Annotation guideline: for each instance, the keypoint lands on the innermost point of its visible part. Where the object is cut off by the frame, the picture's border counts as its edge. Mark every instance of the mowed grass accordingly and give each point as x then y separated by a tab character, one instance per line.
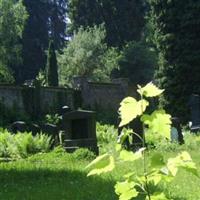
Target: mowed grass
62	176
53	176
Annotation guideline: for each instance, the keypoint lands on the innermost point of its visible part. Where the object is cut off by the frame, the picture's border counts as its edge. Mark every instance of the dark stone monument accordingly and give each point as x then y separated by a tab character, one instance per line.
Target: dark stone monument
176	132
65	109
51	130
80	130
34	129
18	126
194	104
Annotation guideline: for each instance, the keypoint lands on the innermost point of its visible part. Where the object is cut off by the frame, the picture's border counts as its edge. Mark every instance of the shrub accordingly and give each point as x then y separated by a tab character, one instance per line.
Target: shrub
52	118
21	145
83	154
106	137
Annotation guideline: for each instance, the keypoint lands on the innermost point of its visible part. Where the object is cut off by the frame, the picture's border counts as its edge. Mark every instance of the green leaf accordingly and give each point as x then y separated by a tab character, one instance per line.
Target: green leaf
150	90
187	163
130	156
118	147
154	177
183	160
157	160
158	123
126	190
101	164
126	133
172	166
130	108
158	196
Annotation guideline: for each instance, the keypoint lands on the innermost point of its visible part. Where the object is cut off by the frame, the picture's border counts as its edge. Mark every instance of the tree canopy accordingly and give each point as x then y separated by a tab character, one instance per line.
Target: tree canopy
124	20
177	27
87	55
12	19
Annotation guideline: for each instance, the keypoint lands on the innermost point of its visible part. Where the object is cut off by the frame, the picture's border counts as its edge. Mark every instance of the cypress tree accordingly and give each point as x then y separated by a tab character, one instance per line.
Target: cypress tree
177	27
47	20
52	66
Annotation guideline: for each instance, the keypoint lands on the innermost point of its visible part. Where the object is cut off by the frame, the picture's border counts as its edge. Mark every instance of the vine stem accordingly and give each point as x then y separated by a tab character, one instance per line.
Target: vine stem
144	153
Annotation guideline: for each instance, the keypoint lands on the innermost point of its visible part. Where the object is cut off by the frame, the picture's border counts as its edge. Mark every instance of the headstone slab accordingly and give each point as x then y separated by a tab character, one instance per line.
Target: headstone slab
195	109
79	124
176	132
80	129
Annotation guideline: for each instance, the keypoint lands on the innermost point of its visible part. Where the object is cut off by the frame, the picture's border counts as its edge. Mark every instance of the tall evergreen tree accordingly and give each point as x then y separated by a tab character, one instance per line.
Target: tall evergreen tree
47	19
124	20
177	27
35	38
57	22
52	66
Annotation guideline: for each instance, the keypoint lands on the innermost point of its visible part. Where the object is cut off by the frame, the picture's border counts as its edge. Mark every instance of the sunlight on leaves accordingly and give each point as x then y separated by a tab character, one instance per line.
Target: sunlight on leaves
158	123
150	90
101	164
126	190
157	160
130	108
183	160
130	156
158	196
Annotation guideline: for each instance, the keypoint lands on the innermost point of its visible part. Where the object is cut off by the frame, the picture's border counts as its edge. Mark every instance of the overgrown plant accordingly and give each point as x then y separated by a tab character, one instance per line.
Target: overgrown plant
155	169
22	145
52	118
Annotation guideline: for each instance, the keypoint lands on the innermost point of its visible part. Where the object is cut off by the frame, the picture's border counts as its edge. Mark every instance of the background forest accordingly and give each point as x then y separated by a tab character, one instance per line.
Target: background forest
142	40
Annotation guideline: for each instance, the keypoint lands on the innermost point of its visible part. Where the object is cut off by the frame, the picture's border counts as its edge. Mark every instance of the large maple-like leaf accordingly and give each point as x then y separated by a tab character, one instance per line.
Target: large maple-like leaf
130	108
158	123
150	90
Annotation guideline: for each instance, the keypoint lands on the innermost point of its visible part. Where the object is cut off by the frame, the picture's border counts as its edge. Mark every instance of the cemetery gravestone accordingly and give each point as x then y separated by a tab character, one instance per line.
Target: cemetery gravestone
80	130
195	112
176	132
18	126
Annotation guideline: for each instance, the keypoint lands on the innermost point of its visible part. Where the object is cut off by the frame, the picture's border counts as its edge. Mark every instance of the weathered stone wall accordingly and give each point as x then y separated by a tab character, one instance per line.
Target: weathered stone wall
91	95
102	95
47	99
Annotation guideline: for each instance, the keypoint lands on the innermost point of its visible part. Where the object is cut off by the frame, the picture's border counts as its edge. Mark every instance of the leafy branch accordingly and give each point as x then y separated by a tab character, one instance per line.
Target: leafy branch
156	123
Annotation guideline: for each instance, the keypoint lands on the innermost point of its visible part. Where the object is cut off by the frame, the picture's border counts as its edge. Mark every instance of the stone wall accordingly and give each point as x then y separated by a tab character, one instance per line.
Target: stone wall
102	95
27	99
85	94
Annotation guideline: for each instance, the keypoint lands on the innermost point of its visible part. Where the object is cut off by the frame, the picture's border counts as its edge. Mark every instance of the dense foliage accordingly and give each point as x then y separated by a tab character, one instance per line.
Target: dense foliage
6	75
87	55
52	66
22	145
177	26
12	19
47	20
124	21
137	62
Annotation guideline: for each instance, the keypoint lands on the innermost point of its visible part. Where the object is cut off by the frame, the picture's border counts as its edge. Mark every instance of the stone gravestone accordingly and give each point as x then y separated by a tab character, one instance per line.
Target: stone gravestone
18	126
194	104
176	132
79	130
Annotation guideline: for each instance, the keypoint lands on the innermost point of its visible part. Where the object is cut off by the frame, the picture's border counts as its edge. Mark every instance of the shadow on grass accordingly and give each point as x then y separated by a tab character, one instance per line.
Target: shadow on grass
44	184
54	185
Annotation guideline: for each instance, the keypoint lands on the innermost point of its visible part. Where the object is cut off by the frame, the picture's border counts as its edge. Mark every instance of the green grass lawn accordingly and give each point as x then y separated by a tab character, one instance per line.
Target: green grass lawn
61	176
52	176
